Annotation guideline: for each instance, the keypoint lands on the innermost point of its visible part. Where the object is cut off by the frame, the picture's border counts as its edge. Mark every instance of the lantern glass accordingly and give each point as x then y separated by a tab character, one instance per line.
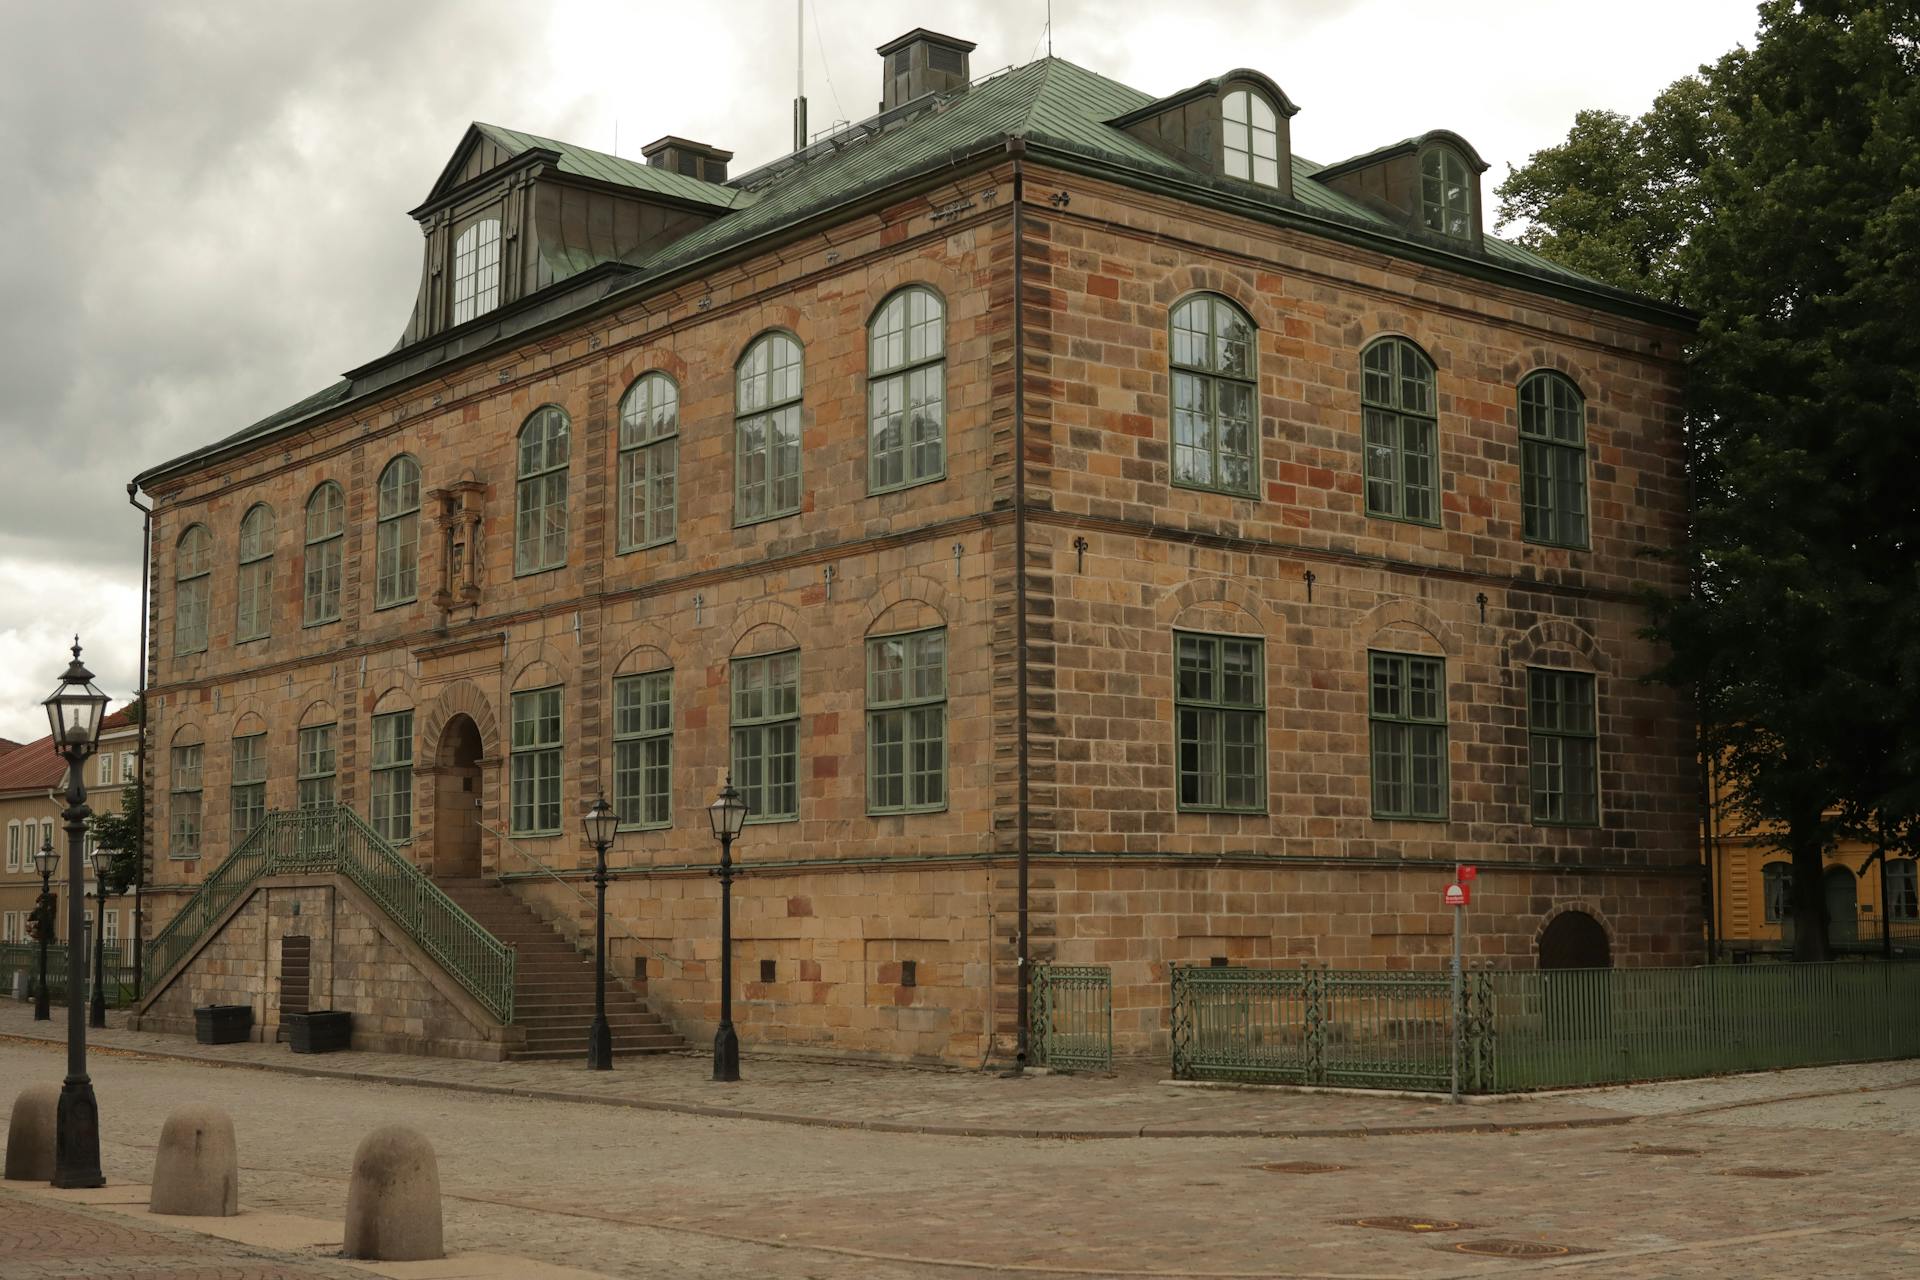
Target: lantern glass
75	710
600	822
728	813
102	862
47	860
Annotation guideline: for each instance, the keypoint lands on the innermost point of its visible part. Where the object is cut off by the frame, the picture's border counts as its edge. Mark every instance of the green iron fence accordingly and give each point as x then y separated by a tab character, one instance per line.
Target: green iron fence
1072	1017
333	839
24	957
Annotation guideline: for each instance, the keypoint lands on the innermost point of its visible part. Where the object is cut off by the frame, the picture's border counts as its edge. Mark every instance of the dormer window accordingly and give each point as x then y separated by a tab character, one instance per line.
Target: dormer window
476	270
1446	194
1251	135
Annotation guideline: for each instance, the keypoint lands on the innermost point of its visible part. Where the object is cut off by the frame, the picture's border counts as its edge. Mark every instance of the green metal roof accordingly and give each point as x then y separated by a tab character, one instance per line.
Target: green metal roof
585	162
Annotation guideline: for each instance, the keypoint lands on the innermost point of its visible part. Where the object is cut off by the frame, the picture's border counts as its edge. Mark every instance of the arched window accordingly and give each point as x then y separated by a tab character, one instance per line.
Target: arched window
1250	133
1903	889
1214	381
907	390
392	770
1775	879
253	592
183	795
1446	195
476	270
396	576
649	461
766	453
1399	413
326	527
1553	460
192	563
540	525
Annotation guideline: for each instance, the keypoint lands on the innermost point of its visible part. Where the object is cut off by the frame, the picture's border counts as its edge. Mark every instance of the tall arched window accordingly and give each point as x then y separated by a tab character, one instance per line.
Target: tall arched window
326	527
396	575
1399	413
766	429
1775	879
1215	419
192	565
1250	134
476	270
253	591
540	525
1903	889
1446	195
1553	460
907	390
649	461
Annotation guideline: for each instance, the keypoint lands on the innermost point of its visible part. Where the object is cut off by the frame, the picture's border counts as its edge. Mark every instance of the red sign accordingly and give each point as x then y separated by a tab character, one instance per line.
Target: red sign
1464	874
1456	895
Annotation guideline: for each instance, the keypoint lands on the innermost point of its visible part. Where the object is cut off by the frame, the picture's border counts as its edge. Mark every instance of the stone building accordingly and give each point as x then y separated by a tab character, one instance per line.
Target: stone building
1038	483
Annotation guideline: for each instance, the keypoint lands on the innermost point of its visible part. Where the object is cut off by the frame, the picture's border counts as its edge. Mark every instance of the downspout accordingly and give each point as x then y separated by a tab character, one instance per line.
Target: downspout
1709	842
1017	148
140	696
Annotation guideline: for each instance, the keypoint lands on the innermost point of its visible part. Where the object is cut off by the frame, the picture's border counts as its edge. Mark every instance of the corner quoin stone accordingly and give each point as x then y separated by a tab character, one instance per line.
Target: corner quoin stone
393	1201
196	1172
30	1134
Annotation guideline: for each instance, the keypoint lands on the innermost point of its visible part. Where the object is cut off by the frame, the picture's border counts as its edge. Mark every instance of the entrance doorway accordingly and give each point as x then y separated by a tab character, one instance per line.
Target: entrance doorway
1574	940
1843	905
456	801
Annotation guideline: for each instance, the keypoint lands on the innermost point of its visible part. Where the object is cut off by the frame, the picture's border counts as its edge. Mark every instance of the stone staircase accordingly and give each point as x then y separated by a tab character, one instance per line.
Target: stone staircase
553	983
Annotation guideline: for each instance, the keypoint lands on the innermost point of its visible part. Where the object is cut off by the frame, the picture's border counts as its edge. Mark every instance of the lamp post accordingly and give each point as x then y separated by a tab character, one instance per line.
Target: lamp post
47	861
75	710
728	813
102	860
601	822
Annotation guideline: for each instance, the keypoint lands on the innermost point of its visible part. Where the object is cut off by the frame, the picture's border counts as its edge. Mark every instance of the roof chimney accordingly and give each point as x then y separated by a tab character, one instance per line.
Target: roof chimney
695	159
921	62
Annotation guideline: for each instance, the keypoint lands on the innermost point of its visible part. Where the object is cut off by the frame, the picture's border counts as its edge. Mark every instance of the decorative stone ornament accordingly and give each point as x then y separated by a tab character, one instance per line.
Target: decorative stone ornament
393	1201
196	1172
30	1134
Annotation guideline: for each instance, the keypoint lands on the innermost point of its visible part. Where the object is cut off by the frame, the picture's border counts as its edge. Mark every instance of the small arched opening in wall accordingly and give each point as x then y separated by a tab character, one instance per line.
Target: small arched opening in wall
1573	938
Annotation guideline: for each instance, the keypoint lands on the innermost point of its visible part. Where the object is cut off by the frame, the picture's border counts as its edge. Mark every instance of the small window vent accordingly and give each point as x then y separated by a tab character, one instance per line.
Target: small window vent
767	970
1218	962
689	165
716	171
940	58
909	974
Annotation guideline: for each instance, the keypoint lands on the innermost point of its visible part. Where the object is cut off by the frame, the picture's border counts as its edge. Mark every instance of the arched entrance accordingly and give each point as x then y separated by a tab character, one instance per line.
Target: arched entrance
1843	905
1574	940
456	801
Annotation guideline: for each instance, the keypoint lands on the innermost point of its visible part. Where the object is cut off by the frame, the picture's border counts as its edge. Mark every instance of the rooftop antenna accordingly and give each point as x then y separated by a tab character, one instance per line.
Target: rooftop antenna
800	75
1049	28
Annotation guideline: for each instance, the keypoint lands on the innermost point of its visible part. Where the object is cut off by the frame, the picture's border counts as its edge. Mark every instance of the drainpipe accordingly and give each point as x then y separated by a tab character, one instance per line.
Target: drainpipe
1709	838
1017	148
140	860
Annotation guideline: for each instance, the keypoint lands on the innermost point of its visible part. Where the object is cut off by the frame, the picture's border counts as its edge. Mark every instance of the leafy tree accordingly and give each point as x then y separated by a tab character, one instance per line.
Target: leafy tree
120	834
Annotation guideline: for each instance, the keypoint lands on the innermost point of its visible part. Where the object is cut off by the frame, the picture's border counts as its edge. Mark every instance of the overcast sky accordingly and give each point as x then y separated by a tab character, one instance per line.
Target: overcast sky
204	212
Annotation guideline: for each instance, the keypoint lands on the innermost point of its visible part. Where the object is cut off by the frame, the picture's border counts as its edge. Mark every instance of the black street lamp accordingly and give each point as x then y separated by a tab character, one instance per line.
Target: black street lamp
102	860
601	822
728	814
47	861
75	710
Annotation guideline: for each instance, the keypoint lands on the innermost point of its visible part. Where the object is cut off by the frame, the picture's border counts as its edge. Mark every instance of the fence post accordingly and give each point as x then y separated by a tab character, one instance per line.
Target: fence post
1312	993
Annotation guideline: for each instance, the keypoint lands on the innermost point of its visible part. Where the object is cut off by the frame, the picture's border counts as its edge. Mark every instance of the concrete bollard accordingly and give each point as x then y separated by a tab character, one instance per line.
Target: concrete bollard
393	1202
30	1134
197	1170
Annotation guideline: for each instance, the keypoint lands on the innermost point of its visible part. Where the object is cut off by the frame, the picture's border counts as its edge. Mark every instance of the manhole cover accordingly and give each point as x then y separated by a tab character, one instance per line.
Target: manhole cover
1513	1249
1766	1173
1662	1151
1416	1225
1301	1166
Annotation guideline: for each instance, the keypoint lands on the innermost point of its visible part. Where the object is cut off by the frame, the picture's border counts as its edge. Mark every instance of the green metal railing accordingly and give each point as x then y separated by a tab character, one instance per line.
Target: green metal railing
24	957
333	839
1072	1017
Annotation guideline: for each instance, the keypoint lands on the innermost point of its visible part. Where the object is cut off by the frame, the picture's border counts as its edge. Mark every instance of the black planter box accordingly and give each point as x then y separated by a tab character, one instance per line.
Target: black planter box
322	1031
223	1023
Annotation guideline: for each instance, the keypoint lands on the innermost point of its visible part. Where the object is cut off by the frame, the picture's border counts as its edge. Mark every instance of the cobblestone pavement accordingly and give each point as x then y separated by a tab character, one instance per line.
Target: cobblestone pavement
1788	1185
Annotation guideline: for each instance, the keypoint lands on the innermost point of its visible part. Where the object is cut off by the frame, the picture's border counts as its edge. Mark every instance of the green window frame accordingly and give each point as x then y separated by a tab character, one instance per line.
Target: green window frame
392	770
183	800
1776	889
537	727
540	497
1446	194
1407	731
766	734
396	575
253	581
1220	717
643	749
1400	418
315	763
907	390
769	384
1215	419
1553	460
326	535
1563	748
192	582
649	461
907	722
247	786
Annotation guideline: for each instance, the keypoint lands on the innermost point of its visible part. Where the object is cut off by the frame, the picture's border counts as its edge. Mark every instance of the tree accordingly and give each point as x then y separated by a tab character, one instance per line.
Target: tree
120	834
1800	632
